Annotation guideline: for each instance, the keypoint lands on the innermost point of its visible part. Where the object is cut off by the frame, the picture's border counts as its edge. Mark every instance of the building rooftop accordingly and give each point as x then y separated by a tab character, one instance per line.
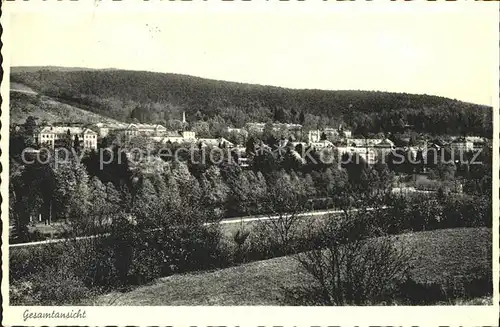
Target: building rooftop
64	129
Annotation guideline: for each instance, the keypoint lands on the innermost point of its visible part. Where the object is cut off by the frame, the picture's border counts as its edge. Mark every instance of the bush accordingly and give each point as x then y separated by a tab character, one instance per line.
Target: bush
348	268
52	274
142	254
53	286
178	240
241	245
265	242
417	293
24	262
428	212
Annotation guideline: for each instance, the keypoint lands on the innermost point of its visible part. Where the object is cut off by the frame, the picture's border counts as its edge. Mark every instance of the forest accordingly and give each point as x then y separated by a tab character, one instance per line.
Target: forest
74	190
161	98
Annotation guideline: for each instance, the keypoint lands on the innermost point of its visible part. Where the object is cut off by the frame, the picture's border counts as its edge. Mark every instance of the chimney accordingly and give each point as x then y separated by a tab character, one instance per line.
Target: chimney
183	117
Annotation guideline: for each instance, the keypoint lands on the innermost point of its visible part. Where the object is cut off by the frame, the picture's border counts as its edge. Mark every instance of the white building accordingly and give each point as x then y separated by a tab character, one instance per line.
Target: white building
462	144
322	144
176	137
51	135
103	129
259	127
236	130
347	133
218	142
133	130
364	142
314	135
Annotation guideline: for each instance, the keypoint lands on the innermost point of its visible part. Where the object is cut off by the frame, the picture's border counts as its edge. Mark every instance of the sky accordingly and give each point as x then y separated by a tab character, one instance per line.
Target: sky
450	51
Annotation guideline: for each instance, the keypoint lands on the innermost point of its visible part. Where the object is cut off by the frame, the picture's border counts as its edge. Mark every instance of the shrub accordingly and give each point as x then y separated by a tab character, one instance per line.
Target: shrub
188	248
424	293
240	237
347	268
428	212
261	244
52	275
58	286
25	262
178	242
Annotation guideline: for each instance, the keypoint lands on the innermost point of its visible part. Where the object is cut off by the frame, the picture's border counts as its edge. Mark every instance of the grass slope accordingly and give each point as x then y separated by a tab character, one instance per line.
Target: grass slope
25	102
442	255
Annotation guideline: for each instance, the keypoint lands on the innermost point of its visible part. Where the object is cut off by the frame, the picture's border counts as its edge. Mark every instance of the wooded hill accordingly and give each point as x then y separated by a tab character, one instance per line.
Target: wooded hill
159	97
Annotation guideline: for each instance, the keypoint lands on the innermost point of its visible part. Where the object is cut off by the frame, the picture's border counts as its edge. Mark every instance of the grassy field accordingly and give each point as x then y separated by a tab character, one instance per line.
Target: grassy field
442	256
24	103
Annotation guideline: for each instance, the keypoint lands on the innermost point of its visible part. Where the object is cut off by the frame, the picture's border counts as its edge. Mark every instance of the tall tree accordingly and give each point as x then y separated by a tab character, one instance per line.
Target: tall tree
279	115
71	193
145	202
302	118
76	144
293	114
67	141
30	125
214	191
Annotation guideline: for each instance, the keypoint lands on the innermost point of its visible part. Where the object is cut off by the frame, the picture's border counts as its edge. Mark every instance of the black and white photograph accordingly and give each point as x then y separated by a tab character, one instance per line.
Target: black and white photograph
296	158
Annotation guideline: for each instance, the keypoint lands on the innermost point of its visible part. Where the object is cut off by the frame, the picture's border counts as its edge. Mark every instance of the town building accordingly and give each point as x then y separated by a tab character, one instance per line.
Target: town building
468	143
53	135
131	130
287	126
329	133
368	154
215	142
145	130
322	144
347	133
176	137
236	130
478	142
103	129
385	144
255	127
364	142
259	127
314	135
384	147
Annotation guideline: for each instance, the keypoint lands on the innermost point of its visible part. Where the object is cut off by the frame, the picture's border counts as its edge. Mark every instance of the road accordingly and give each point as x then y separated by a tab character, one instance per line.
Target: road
227	221
24	91
410	190
305	214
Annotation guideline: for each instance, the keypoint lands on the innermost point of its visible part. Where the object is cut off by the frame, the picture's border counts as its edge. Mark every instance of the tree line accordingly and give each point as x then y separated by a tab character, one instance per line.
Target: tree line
161	98
75	192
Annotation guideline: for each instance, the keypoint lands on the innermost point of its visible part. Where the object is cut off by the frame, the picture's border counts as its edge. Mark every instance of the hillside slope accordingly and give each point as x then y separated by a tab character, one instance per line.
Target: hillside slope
25	102
444	257
157	97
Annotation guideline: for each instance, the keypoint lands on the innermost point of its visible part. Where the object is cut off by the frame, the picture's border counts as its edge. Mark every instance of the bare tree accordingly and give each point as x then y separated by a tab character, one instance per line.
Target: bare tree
286	199
349	264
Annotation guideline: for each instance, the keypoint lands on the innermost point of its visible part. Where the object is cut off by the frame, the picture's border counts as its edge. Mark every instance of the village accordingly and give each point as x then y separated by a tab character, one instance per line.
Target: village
274	165
340	139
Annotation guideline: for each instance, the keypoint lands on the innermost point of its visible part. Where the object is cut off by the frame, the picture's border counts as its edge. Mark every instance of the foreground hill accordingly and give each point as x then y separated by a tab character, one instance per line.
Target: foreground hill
157	97
448	260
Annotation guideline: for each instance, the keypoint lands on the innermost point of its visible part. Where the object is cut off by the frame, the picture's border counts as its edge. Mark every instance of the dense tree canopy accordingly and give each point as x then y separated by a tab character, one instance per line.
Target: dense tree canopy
158	97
